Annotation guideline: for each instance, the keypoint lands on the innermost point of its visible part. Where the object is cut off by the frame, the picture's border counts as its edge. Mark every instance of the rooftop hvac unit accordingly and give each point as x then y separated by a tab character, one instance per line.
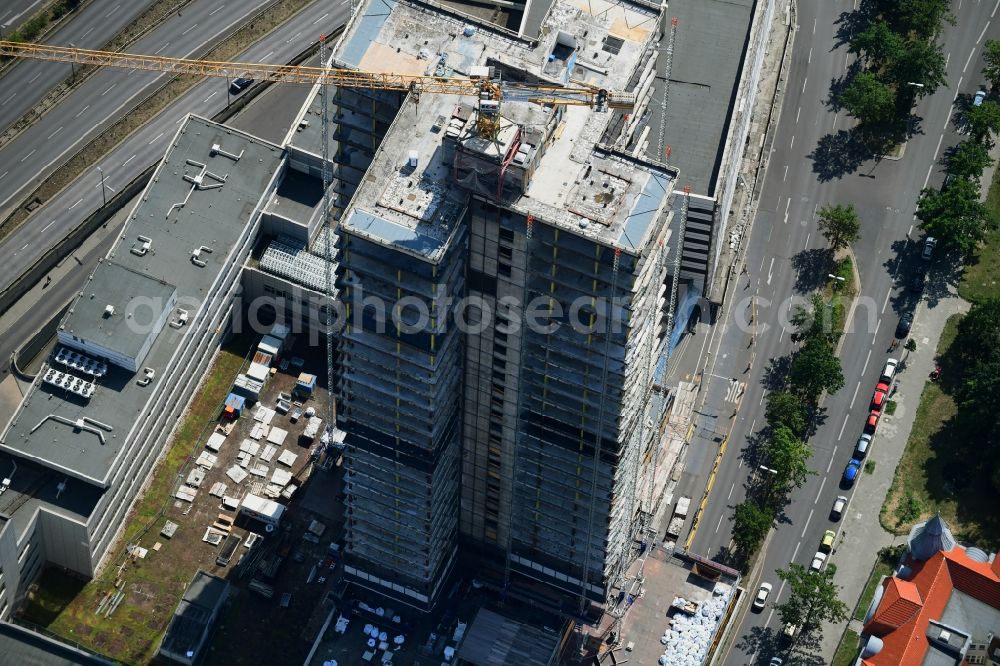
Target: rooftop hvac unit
413	158
109	310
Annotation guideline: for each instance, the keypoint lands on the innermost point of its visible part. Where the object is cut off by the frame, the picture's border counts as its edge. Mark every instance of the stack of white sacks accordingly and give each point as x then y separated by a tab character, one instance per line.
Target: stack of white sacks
688	639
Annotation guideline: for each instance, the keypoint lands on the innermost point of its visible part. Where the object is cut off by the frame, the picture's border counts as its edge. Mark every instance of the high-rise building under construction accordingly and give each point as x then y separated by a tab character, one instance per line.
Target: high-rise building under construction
505	269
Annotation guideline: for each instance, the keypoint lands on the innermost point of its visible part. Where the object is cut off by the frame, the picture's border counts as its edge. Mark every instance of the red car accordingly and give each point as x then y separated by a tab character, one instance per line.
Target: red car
880	397
872	423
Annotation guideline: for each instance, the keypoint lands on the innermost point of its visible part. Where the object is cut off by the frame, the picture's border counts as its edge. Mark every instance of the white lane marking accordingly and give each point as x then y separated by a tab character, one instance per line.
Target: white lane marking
731	491
155	140
783	180
804	84
855	396
795	552
808	518
82	111
25	246
808	236
28	155
947	59
45	228
264	59
216	10
12	96
719	525
832	456
836	116
4	175
75	205
113	10
983	32
84	35
878	325
128	160
781	333
157	51
959	86
189	29
887	295
787	202
797	112
769	616
867	358
940	139
210	97
822	483
994	12
54	133
321	18
810	56
846	416
109	89
770	270
792	144
960	4
968	60
928	176
20	14
34	78
814	24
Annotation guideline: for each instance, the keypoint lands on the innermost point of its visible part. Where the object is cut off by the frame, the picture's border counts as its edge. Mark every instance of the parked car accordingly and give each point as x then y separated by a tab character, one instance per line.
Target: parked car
903	327
819	559
929	244
880	396
851	473
871	425
861	448
839	505
826	545
775	661
979	97
889	370
761	598
917	281
240	84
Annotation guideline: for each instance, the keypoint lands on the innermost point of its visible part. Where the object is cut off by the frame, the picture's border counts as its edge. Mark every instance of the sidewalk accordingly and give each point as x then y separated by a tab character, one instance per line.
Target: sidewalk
861	535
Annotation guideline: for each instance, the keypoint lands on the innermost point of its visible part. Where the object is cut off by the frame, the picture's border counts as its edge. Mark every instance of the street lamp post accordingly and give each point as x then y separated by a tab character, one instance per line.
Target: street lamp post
104	196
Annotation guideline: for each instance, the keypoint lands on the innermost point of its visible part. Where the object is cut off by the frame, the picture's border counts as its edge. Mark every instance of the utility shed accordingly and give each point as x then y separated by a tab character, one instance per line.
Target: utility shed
20	646
306	384
495	640
192	621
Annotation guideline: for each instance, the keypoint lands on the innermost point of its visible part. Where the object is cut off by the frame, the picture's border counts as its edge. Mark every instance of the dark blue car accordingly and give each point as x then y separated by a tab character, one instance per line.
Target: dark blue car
851	473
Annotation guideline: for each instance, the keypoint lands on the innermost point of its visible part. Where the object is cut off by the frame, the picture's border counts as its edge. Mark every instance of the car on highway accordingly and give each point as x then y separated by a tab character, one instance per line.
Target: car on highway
903	327
871	425
761	598
240	84
851	473
819	559
839	505
889	370
929	244
861	448
826	545
880	396
979	97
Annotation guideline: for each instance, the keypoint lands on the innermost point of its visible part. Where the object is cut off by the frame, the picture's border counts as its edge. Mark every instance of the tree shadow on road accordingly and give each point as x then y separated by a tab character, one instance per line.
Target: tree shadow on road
839	154
774	375
852	22
811	268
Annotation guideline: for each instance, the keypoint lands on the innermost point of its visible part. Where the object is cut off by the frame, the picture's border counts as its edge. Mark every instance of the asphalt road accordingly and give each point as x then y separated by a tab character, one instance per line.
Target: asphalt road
91	27
813	164
37	151
16	12
268	116
146	146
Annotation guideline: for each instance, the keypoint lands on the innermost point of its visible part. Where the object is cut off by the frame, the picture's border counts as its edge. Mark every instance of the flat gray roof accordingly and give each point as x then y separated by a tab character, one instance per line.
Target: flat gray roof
708	54
495	640
212	217
135	298
34	486
970	616
23	647
194	613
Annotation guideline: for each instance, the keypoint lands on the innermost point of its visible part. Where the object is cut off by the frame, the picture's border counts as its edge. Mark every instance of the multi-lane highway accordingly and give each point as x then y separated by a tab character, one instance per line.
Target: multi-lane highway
91	27
814	163
145	146
82	114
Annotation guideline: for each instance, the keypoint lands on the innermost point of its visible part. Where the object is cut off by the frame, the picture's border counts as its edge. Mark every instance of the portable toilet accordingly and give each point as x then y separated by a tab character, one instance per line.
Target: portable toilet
305	385
234	406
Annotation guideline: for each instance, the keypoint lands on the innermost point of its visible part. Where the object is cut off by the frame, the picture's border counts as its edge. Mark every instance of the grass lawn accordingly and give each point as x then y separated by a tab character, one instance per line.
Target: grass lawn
883	567
847	651
981	279
153	586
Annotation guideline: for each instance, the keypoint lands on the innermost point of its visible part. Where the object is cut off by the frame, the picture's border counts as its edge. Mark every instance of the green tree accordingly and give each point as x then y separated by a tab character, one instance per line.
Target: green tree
750	525
983	121
786	410
787	455
991	55
922	62
815	369
878	44
968	159
976	351
814	322
839	225
868	99
812	599
924	17
955	216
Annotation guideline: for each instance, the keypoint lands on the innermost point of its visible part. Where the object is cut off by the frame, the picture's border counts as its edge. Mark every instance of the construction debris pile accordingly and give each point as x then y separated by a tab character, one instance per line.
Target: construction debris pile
690	631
